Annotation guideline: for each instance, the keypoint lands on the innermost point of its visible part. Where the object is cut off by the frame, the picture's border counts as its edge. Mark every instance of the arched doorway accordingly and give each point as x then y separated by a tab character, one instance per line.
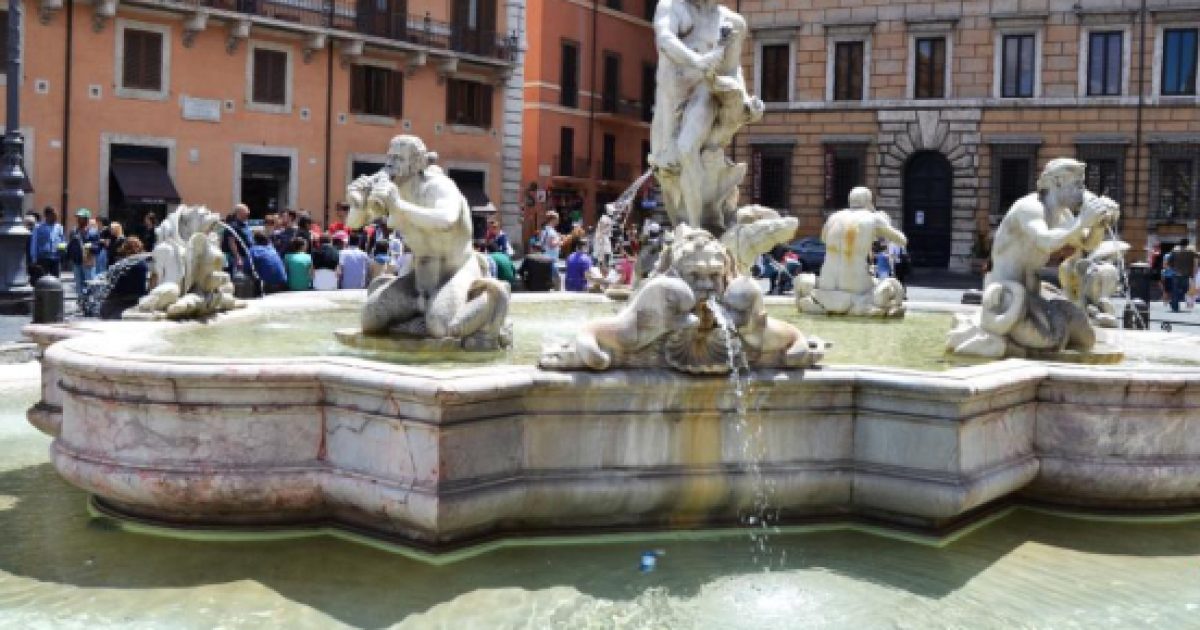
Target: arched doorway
928	222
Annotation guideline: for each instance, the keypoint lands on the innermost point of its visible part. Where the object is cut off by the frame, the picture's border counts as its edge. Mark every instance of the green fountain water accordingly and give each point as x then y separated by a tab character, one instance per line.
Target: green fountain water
61	569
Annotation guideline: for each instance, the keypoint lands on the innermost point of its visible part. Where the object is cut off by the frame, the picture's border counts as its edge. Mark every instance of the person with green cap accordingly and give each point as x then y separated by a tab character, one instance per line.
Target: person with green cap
81	250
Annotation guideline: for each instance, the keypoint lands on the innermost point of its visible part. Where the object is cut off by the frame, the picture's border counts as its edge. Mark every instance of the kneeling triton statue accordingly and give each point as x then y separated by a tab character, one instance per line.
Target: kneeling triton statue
447	296
1020	315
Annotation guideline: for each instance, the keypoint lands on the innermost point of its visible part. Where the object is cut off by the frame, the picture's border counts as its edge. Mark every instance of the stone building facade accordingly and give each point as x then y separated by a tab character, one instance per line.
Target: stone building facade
589	96
132	106
948	110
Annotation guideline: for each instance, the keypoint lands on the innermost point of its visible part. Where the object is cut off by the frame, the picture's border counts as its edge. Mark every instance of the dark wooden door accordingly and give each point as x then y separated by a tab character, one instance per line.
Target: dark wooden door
928	223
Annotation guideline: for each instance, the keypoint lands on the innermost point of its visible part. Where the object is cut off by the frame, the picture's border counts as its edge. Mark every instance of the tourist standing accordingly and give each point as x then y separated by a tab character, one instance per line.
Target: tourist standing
578	264
1182	263
237	239
353	265
299	266
146	231
116	240
267	263
46	243
551	242
81	250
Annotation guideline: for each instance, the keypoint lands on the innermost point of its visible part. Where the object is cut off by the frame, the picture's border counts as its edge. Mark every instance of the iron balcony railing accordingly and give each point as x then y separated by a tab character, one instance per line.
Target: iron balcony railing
367	18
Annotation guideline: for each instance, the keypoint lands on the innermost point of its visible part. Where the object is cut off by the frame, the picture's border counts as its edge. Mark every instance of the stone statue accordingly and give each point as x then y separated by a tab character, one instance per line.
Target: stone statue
700	102
1019	314
1090	278
188	269
756	231
695	314
448	294
845	285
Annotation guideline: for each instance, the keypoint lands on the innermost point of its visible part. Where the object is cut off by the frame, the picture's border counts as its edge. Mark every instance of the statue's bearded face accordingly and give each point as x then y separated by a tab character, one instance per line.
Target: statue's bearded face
404	161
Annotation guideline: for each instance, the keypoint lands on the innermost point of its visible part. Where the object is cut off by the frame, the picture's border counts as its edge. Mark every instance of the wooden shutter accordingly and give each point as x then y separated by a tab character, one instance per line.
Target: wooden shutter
142	66
487	18
396	93
270	76
358	89
131	64
452	102
152	60
485	103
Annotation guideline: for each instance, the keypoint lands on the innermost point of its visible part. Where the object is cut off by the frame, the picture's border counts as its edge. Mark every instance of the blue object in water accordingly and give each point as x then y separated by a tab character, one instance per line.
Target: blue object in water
649	560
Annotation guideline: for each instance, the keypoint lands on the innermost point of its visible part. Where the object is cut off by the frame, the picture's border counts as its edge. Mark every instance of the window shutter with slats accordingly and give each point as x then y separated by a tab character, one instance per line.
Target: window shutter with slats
396	93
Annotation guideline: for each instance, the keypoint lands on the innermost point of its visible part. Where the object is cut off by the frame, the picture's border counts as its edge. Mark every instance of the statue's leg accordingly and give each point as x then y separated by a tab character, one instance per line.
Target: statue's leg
668	98
389	303
450	300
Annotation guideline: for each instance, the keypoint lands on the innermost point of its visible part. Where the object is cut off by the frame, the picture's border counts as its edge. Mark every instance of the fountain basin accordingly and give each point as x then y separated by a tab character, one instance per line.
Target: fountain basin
439	457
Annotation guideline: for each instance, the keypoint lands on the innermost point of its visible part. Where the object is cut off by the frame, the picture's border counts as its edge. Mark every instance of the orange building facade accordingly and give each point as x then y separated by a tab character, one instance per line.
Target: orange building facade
131	107
589	94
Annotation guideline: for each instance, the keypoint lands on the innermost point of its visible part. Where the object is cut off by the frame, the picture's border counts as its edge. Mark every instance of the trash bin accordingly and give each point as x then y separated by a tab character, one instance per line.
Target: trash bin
48	307
1139	281
1136	315
245	287
536	271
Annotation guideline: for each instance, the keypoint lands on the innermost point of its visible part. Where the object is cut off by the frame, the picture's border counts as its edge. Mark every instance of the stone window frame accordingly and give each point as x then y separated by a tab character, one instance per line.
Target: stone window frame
1004	26
1167	151
929	30
1104	150
776	39
847	33
1085	54
374	119
250	104
1000	150
119	90
292	153
1165	22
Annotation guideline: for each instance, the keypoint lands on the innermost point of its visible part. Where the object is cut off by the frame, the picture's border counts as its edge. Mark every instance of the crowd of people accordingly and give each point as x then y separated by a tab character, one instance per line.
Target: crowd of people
583	269
1177	272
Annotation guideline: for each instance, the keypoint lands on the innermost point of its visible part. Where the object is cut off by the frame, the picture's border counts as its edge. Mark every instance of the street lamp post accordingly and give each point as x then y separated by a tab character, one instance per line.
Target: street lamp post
14	238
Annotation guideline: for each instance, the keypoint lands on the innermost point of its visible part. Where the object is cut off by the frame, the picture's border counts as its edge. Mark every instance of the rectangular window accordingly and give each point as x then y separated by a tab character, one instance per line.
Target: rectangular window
376	91
645	156
848	71
1017	66
648	87
774	179
468	103
1014	181
612	78
1176	189
1179	62
648	9
1103	177
847	173
270	76
1104	63
142	64
566	152
569	96
930	68
608	157
776	67
615	5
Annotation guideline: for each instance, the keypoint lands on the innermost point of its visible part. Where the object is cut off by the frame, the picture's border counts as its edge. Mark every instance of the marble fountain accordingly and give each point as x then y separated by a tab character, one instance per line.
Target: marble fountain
697	404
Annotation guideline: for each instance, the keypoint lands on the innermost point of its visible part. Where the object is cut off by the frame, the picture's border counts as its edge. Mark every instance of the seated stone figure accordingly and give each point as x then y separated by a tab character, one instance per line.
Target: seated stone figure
1020	314
1089	278
448	294
845	285
187	269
